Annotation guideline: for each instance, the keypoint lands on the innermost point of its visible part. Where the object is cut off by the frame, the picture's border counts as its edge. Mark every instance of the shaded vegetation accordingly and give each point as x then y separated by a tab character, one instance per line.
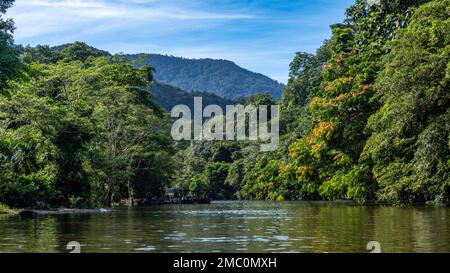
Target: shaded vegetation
6	210
168	96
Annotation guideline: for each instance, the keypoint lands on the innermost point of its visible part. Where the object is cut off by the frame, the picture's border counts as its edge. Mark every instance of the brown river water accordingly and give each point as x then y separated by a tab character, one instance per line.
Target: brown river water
234	227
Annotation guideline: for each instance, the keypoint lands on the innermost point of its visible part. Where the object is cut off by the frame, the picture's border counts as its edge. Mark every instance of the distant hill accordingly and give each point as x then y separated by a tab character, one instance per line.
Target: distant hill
208	77
221	77
168	96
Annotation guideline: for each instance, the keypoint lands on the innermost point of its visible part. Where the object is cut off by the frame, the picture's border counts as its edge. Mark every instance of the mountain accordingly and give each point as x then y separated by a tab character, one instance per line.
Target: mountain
221	77
218	81
168	96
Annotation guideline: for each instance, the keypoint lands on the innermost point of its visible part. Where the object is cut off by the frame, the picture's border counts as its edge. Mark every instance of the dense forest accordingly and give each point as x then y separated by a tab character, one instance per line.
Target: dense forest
78	128
221	77
364	118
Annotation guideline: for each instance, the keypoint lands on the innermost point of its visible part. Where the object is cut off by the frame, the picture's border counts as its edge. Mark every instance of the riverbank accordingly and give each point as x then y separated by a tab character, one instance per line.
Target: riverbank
5	210
31	212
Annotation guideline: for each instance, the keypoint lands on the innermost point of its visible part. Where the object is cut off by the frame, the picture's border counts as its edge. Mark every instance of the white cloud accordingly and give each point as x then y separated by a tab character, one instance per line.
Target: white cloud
64	3
252	34
37	17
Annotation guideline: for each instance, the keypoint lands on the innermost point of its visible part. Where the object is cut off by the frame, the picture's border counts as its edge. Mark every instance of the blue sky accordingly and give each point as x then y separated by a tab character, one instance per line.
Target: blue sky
262	36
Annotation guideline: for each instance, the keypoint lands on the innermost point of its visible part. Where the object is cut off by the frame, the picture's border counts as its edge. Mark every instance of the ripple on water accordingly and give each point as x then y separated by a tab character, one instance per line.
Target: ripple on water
302	239
274	249
175	246
147	248
290	227
272	213
260	239
254	217
241	249
218	240
177	236
281	238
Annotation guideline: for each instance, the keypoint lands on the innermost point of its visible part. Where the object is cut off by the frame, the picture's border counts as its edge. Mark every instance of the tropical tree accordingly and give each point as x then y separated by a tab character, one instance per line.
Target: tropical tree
410	133
9	55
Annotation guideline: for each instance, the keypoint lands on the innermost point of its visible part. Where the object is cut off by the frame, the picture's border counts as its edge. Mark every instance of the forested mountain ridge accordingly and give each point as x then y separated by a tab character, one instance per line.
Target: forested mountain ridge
165	95
220	82
221	77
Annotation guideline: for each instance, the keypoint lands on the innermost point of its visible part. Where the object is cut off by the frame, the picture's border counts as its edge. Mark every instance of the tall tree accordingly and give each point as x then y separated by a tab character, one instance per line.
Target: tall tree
9	61
410	135
326	163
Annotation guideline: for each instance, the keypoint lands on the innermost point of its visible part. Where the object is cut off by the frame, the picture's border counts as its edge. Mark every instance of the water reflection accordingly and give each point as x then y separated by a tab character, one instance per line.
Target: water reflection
235	227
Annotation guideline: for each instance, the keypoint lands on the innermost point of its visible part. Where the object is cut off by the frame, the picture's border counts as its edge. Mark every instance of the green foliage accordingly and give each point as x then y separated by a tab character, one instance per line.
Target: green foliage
4	209
410	132
41	54
79	130
204	169
367	116
326	162
260	99
9	61
215	175
265	183
356	184
305	79
79	51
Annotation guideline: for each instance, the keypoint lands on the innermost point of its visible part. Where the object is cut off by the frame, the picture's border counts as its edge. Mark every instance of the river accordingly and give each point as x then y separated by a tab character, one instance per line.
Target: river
234	227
